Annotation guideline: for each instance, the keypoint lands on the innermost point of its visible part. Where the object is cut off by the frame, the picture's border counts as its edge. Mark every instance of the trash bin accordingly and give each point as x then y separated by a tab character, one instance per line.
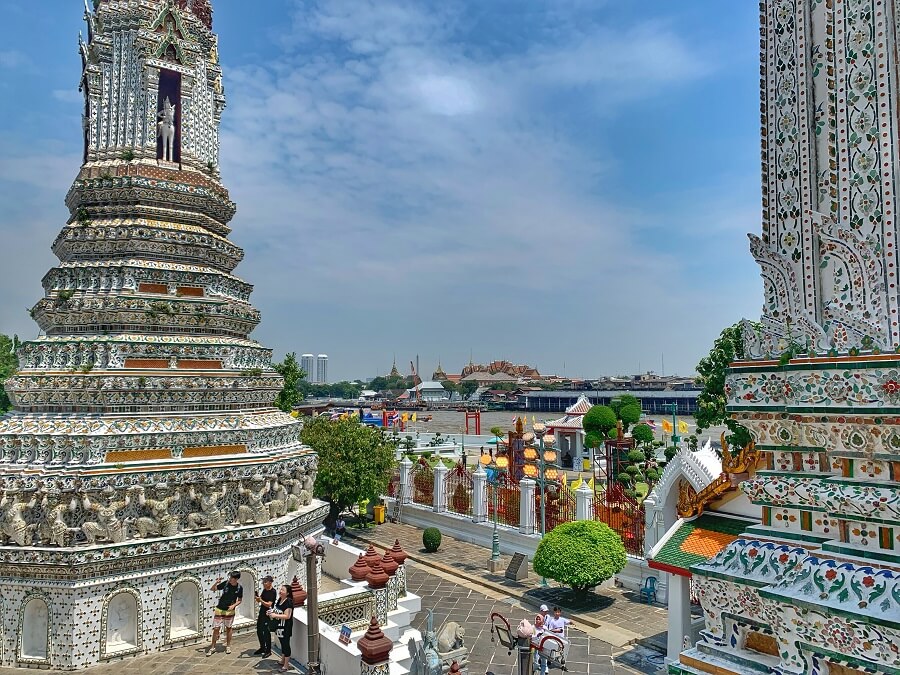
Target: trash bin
378	512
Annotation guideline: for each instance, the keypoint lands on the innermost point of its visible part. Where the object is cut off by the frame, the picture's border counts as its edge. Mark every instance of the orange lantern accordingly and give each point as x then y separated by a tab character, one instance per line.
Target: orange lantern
530	470
502	462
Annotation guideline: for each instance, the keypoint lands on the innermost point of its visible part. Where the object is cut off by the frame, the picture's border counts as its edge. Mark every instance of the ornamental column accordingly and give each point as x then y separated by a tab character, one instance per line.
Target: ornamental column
584	502
440	487
526	506
405	481
375	649
479	495
679	614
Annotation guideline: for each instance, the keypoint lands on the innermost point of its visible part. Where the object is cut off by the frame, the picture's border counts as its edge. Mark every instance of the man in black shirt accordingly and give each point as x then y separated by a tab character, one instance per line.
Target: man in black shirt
265	600
223	614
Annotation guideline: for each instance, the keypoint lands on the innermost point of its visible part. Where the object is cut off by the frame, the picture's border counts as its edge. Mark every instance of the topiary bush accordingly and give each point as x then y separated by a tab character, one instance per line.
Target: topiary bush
431	539
580	555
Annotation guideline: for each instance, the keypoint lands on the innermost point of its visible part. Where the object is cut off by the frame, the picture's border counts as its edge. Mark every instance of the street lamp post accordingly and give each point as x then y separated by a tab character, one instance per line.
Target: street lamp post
546	471
497	465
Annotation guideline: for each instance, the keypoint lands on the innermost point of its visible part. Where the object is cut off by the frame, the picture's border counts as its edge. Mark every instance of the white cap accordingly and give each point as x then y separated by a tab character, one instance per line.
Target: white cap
544	608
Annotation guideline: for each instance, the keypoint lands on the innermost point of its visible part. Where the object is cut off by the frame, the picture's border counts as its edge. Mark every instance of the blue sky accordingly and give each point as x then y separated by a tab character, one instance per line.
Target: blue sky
565	183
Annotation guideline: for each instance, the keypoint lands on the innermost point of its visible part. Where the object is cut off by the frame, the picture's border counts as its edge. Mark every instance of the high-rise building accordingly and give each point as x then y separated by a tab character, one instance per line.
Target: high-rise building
308	364
143	457
322	369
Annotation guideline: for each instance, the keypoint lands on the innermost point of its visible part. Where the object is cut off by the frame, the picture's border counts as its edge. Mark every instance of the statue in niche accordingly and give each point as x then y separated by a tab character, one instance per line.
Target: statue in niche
12	519
210	515
160	522
120	628
53	528
278	504
184	608
108	525
35	626
255	510
166	127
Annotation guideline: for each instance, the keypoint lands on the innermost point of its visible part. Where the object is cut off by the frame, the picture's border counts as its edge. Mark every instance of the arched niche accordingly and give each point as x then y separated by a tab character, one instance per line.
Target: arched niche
183	610
246	611
34	637
120	624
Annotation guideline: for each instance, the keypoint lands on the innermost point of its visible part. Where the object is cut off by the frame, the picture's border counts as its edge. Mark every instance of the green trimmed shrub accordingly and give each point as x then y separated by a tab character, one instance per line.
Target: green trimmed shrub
671	451
636	457
599	418
431	539
642	433
580	555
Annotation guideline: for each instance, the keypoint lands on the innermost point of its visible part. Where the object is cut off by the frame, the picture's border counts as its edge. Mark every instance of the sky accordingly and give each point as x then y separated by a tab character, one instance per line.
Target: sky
562	183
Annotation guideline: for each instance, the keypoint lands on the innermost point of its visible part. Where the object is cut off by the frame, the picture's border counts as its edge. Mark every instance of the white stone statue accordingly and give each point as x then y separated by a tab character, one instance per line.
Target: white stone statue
210	515
108	525
160	522
166	128
34	628
254	510
184	608
120	621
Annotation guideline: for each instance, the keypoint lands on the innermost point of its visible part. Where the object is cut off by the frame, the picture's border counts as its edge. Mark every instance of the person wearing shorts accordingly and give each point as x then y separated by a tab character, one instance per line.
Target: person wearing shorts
223	614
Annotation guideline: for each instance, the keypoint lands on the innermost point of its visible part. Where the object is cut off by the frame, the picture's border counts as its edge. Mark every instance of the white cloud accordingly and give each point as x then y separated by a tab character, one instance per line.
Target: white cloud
13	59
379	160
68	96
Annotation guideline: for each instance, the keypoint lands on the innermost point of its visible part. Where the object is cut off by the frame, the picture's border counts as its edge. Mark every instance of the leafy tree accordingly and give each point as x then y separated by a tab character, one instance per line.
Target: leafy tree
355	461
581	555
293	374
643	434
626	408
600	419
8	366
467	388
728	347
593	439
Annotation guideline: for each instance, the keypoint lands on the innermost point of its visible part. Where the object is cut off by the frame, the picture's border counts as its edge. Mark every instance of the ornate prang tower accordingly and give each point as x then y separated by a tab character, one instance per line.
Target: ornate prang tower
143	458
815	588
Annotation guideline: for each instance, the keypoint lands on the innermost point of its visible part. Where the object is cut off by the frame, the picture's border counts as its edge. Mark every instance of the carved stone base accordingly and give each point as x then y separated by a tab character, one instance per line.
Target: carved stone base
92	604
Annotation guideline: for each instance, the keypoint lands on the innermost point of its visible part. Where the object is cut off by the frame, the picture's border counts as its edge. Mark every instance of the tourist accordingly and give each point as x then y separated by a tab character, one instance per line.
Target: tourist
340	529
557	623
223	614
265	600
284	608
540	625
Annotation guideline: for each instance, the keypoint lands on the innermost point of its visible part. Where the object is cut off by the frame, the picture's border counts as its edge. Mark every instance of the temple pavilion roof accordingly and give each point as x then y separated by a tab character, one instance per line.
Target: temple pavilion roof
691	542
572	419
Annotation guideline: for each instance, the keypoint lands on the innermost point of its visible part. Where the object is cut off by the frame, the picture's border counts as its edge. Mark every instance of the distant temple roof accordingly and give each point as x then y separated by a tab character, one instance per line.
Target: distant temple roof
439	375
483	376
511	369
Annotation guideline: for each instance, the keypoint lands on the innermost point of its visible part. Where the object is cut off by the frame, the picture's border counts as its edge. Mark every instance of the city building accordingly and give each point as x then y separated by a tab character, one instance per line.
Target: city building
143	457
815	586
308	364
322	369
652	402
428	392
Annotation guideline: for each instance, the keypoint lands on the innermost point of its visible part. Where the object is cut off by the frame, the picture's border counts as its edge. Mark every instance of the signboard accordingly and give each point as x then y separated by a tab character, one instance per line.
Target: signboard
344	637
518	567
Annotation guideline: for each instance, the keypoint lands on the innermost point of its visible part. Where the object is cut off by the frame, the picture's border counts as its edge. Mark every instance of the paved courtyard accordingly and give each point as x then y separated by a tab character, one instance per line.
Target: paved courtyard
449	598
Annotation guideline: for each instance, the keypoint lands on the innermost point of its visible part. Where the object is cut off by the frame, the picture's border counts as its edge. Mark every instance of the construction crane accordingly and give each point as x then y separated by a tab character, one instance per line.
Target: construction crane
416	380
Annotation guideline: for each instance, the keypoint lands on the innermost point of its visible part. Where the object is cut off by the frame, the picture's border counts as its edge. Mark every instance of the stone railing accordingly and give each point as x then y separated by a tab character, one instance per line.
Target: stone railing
481	508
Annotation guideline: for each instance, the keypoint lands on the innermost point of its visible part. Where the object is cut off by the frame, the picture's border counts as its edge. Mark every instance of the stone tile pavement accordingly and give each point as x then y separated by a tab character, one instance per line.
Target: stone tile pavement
455	599
191	659
615	615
